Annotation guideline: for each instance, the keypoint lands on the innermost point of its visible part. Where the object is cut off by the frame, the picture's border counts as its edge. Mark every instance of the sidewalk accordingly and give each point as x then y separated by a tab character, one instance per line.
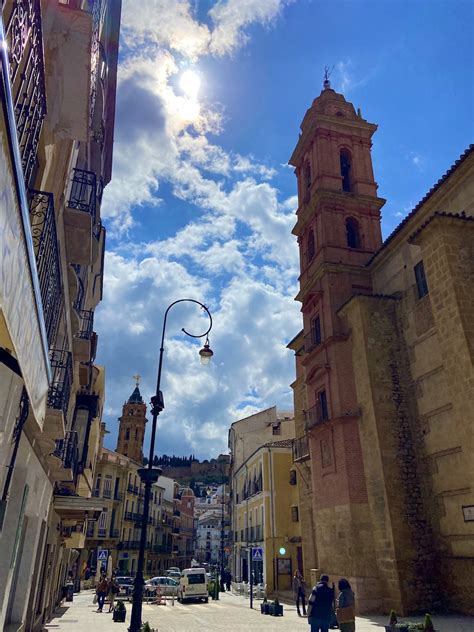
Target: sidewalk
230	614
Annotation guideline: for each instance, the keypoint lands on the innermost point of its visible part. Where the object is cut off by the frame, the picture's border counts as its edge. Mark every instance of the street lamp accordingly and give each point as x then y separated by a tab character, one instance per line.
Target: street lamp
150	474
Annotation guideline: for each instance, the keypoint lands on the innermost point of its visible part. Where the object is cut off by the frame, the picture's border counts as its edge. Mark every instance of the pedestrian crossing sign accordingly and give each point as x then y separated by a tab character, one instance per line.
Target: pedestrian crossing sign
103	554
257	554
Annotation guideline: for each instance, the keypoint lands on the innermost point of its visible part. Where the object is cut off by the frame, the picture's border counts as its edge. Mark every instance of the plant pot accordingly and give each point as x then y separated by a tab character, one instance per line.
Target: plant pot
278	610
119	617
264	608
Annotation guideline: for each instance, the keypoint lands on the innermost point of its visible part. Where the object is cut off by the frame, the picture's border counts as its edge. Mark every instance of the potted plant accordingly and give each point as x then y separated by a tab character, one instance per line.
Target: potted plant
146	627
119	612
428	623
264	606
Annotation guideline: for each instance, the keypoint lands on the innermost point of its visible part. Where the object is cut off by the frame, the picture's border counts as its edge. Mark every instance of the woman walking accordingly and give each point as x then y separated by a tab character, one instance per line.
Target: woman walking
102	589
114	589
299	592
345	611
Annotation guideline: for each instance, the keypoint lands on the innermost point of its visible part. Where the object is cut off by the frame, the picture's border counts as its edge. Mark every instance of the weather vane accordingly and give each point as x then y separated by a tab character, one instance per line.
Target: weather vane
327	74
137	378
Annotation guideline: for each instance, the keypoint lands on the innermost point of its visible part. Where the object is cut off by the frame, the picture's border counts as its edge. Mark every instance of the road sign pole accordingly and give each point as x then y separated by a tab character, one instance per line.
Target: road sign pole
251	580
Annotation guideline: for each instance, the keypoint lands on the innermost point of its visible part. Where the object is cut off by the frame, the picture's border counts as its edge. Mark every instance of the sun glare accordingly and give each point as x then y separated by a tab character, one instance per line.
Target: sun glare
189	83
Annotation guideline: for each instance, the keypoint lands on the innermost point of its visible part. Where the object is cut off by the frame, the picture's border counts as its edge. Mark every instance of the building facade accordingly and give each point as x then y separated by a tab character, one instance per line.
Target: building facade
212	527
387	327
57	87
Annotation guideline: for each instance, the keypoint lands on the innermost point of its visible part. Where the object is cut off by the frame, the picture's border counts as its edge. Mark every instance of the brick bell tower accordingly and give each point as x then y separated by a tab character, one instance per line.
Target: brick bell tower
132	426
338	230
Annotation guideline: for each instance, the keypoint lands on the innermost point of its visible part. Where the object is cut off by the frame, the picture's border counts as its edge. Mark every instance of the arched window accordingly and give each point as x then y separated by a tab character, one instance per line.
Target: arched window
353	233
127	434
136	433
311	247
345	161
307	181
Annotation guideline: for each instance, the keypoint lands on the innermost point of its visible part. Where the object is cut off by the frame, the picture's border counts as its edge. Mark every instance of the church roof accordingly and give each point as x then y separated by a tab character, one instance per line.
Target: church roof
136	397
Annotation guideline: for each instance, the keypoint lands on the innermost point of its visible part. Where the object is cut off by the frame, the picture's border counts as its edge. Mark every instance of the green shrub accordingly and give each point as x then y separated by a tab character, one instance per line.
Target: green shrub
393	618
428	624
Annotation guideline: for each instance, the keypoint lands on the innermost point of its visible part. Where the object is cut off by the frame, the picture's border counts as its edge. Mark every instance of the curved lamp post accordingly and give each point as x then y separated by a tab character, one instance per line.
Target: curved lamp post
150	474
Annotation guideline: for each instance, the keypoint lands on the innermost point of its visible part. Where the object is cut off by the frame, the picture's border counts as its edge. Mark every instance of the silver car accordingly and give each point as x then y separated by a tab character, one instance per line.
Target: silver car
166	585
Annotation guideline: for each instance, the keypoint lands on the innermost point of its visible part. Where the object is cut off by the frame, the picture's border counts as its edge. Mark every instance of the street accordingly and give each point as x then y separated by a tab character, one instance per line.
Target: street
231	613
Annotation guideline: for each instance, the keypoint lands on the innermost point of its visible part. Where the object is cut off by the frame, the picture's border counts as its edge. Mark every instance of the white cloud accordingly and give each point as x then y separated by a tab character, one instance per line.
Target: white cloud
235	251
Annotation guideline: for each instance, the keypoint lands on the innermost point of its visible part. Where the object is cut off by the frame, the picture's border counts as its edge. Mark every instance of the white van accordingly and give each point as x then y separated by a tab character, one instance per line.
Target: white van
193	585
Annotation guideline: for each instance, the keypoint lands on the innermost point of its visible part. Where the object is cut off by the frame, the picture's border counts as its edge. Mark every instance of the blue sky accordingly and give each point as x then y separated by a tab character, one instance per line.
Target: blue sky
202	204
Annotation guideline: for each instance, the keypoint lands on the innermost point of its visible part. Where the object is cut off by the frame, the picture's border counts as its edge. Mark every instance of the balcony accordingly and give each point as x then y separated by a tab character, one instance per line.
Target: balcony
300	449
25	51
107	493
132	489
67	451
118	496
102	533
60	389
131	544
84	339
312	340
315	416
114	533
46	247
80	217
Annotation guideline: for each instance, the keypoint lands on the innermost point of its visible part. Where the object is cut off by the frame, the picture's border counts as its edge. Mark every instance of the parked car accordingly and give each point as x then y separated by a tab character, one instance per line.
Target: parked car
173	569
193	585
126	585
167	586
174	575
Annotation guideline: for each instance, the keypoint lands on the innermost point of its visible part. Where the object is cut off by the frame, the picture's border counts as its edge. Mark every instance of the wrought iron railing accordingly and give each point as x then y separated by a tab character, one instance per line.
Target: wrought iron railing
86	326
312	340
300	449
67	450
107	493
45	243
60	389
25	52
102	533
82	195
114	533
315	415
131	544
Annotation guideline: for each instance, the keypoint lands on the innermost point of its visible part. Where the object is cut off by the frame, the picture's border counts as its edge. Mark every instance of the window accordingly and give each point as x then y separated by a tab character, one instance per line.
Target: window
127	434
345	162
316	331
420	278
311	249
307	181
292	477
107	486
97	485
323	404
353	233
294	514
136	433
276	429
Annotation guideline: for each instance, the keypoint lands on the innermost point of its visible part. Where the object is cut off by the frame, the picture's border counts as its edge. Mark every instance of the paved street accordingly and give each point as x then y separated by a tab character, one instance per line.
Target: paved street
231	613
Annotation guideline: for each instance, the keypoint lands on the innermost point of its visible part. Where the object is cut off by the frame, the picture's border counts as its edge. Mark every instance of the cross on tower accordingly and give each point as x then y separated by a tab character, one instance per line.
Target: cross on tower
137	378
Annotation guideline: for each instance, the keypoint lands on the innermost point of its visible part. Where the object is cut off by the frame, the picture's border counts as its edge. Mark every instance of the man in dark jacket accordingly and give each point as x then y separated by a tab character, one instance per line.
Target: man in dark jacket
320	606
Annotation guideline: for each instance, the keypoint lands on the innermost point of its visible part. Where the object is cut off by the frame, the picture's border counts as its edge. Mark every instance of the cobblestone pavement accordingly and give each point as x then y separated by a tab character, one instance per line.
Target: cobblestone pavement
231	613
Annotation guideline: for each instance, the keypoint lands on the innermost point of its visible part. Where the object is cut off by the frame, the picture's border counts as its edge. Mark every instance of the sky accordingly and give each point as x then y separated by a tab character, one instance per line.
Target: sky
202	202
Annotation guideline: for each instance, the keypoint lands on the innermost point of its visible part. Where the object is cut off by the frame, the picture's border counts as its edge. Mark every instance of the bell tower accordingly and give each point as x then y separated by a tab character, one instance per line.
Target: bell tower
132	426
338	231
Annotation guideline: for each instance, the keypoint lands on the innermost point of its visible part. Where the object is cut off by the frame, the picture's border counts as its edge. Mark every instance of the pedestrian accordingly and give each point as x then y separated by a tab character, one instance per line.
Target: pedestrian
114	589
299	592
320	606
101	591
228	581
345	610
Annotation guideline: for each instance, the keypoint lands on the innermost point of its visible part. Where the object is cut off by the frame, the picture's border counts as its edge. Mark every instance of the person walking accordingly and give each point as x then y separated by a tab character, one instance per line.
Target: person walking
114	589
345	611
320	606
102	589
228	581
299	592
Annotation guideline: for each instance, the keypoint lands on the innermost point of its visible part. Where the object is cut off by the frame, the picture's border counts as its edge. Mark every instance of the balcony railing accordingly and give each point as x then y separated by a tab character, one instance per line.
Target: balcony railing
82	195
25	52
45	243
118	496
312	340
315	416
107	493
300	449
60	389
68	451
86	326
131	544
114	533
102	533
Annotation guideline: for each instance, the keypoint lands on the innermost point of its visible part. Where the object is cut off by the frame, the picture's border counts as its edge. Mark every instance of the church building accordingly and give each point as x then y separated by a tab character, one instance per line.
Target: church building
384	394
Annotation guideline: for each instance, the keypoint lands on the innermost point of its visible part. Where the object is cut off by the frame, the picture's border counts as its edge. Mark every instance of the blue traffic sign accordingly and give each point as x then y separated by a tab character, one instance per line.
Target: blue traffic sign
103	554
257	554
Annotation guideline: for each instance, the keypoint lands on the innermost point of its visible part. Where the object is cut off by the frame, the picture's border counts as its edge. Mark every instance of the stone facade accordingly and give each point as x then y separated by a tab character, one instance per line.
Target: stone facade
388	340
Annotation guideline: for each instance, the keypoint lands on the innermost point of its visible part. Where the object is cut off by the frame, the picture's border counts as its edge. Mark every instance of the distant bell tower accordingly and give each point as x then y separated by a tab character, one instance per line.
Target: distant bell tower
132	426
